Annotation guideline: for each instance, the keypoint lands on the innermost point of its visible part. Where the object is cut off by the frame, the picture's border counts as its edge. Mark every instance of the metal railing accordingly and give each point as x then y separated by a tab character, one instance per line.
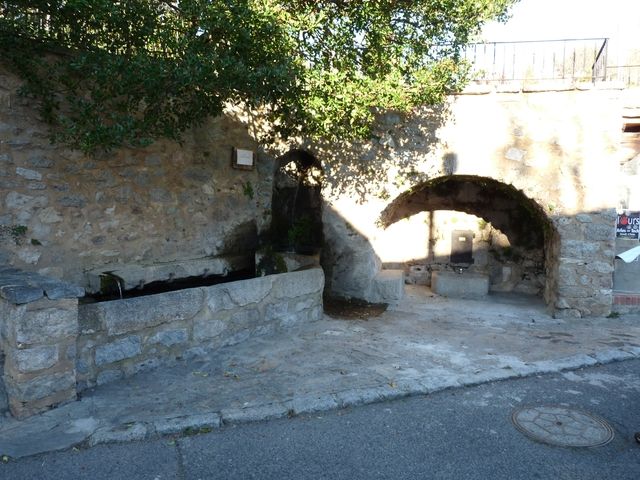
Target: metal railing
627	74
583	59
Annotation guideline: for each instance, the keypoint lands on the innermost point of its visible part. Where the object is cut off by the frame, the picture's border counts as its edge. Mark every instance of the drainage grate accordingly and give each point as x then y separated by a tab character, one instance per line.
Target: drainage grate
561	426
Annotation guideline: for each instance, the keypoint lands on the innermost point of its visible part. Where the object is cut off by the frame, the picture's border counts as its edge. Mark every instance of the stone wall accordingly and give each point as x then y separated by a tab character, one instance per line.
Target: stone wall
557	147
170	210
152	214
38	329
122	337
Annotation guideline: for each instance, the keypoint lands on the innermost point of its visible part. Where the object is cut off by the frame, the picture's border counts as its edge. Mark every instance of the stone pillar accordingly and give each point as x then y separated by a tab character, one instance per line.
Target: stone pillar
39	327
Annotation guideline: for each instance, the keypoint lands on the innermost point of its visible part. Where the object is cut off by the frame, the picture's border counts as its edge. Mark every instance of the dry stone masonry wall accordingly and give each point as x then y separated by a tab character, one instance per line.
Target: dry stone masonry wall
150	214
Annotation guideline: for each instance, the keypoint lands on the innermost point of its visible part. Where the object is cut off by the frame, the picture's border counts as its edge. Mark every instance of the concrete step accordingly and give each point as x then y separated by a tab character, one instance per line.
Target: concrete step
389	285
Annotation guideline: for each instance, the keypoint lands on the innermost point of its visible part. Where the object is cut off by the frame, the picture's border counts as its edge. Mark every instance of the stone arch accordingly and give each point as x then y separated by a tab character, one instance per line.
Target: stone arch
296	204
521	219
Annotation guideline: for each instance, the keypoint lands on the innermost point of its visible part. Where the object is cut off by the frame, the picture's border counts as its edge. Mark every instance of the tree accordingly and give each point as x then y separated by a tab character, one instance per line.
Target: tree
109	73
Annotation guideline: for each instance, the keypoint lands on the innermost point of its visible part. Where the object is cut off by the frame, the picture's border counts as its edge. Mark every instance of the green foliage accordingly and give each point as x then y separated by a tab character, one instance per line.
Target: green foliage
110	73
247	189
16	232
301	232
270	263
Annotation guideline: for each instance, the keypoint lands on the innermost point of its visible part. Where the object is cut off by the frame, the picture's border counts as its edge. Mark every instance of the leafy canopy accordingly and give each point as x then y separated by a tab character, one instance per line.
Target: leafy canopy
110	73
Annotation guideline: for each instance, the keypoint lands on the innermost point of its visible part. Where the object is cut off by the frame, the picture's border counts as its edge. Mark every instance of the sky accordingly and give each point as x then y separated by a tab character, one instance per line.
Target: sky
559	19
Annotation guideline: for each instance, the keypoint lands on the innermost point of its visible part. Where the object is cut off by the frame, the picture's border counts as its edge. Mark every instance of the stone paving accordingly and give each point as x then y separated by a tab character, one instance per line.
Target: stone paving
425	344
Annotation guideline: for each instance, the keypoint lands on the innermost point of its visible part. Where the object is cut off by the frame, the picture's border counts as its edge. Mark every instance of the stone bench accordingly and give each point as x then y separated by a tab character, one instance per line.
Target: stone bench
38	331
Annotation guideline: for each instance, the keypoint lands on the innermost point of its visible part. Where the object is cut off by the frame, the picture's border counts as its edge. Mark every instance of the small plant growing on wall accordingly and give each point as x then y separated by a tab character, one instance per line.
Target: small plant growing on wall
301	235
270	262
247	189
14	232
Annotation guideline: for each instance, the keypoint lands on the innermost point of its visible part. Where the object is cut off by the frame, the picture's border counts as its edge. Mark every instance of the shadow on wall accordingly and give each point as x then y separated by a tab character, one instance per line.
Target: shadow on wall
361	169
348	259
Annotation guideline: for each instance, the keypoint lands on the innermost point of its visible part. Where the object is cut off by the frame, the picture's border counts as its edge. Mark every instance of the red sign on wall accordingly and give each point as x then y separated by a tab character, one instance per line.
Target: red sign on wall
628	225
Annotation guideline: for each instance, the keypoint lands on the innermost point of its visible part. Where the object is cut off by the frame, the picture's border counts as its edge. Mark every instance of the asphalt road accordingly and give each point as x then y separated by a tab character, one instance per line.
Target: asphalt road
456	434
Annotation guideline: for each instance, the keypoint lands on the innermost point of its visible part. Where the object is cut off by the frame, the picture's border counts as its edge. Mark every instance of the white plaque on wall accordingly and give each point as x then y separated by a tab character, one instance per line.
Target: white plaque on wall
243	159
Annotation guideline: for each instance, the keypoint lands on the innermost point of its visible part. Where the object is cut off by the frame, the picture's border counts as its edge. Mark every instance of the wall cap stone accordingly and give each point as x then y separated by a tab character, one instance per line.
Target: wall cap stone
19	287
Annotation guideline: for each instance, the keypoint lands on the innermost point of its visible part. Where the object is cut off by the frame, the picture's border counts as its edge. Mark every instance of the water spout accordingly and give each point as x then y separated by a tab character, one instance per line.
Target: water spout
119	287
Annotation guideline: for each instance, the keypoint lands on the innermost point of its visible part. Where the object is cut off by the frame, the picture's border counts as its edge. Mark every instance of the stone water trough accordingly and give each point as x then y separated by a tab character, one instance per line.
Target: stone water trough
52	347
460	285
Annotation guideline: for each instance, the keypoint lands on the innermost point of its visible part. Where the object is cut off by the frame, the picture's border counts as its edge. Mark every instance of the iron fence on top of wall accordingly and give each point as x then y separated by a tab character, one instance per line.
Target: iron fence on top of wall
582	59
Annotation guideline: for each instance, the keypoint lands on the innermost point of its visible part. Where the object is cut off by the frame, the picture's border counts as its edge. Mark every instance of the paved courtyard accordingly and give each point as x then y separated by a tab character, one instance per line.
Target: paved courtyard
423	345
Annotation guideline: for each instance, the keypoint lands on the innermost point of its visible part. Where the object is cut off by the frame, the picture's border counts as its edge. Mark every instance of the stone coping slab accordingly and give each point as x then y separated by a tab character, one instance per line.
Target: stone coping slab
426	344
20	287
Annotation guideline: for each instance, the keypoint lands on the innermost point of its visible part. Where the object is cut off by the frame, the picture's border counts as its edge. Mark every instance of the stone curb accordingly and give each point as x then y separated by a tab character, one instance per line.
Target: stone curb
315	403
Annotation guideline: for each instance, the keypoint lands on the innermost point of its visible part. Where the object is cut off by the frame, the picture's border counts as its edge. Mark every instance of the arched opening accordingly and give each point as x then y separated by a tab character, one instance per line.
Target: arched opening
480	225
296	203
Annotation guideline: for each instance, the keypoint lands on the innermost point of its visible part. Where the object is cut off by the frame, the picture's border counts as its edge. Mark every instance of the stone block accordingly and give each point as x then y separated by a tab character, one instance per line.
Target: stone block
134	314
275	311
600	267
23	409
72	201
32	359
304	304
295	284
39	387
25	287
599	232
28	174
218	299
578	249
50	215
389	285
250	291
19	201
464	285
57	290
247	318
169	338
28	326
207	328
20	294
121	349
40	162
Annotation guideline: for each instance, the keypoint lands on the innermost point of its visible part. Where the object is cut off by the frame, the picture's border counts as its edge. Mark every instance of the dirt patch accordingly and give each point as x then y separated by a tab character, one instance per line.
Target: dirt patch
352	309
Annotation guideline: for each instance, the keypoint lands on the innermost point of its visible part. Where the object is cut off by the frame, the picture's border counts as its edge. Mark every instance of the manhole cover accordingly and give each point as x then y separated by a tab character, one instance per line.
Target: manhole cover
565	427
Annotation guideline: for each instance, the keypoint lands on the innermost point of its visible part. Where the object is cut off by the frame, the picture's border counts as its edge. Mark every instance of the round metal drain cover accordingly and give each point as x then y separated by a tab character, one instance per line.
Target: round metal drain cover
561	426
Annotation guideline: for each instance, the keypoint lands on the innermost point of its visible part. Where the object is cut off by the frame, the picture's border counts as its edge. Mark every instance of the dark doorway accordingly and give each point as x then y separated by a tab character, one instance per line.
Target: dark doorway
296	206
